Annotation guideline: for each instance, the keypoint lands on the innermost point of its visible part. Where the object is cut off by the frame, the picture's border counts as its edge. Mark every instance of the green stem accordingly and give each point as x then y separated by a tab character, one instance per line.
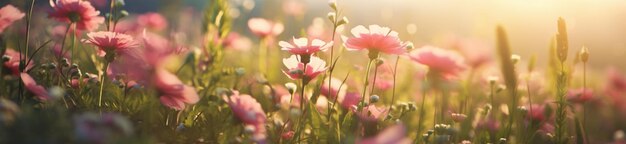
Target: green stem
102	81
393	89
365	83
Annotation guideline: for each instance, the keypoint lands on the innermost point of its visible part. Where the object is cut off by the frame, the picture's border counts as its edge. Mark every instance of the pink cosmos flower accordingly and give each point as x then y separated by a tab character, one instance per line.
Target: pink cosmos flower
536	112
615	88
476	53
110	43
304	46
39	91
250	112
580	95
264	28
295	69
375	39
384	77
391	135
445	62
80	12
236	41
334	89
8	15
13	64
152	20
173	92
350	100
371	113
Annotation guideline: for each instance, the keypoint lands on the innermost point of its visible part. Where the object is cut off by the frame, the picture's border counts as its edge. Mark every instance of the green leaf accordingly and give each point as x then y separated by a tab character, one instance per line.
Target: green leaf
317	123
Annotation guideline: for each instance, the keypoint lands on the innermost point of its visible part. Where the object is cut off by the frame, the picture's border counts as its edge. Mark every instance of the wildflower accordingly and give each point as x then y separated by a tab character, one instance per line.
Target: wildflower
580	96
32	86
296	70
334	89
536	112
173	93
8	15
264	28
350	100
584	54
152	20
79	12
490	125
395	134
288	135
110	44
475	52
376	39
305	47
11	60
250	112
444	62
371	113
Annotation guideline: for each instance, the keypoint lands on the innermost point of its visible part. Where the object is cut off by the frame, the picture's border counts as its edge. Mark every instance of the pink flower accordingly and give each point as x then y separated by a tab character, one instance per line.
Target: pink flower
580	95
395	134
335	85
536	112
157	48
475	52
173	92
8	15
616	88
110	43
490	125
295	69
236	42
80	12
376	39
445	62
13	64
350	100
264	28
287	135
384	78
304	46
39	91
152	20
250	112
371	113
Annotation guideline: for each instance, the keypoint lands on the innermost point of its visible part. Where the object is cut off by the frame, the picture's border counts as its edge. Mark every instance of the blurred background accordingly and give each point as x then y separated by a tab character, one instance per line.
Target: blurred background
531	24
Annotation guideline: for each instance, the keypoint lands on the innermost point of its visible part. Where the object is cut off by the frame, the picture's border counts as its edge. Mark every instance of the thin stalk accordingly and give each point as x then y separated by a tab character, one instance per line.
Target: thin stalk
110	18
584	104
365	83
420	121
374	78
102	81
393	89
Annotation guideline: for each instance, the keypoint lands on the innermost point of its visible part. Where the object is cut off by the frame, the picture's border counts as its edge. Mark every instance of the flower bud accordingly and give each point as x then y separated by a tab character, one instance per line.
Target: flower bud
332	16
374	98
409	46
332	4
6	58
343	21
240	71
292	87
515	58
584	54
492	80
380	61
